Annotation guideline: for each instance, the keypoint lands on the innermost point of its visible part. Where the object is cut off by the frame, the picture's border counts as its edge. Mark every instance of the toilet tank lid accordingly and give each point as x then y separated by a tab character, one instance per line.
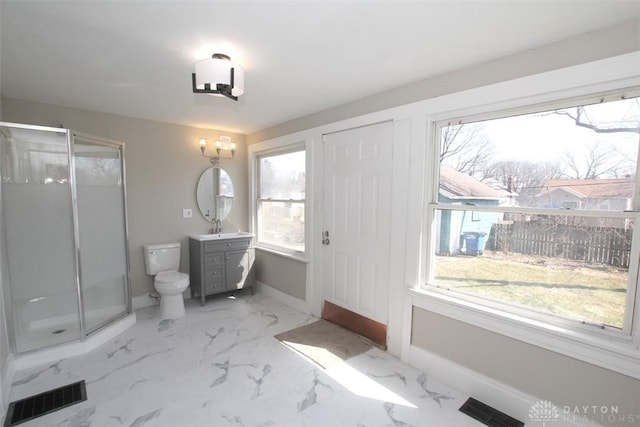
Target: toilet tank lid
161	246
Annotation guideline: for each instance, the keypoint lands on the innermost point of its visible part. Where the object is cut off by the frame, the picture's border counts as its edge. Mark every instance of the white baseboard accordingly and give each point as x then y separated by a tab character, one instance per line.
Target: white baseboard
504	398
291	301
143	301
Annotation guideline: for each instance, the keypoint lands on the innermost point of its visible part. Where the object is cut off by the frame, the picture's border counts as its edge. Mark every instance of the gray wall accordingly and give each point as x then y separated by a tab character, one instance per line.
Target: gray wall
541	373
283	274
163	164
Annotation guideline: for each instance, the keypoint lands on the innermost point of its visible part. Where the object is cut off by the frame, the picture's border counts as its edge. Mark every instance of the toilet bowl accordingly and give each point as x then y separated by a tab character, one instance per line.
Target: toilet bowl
170	285
162	261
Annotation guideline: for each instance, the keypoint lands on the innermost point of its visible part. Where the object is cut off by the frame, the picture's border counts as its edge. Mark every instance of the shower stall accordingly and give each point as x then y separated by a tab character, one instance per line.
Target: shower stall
64	234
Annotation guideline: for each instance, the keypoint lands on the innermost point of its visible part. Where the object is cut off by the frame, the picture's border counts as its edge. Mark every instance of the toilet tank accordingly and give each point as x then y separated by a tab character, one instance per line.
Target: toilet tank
162	257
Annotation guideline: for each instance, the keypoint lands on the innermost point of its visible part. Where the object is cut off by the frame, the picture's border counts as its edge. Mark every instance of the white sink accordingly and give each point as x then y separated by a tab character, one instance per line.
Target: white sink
222	236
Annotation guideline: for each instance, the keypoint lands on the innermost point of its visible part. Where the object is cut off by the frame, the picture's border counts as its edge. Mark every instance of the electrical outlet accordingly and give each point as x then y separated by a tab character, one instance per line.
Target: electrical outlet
187	213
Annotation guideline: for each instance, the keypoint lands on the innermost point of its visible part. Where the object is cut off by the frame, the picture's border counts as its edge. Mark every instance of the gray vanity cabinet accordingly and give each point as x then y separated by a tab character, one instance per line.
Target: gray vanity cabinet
220	265
237	267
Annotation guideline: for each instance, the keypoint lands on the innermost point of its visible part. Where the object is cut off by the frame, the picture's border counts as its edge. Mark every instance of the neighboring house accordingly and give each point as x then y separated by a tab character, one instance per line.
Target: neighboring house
613	194
507	197
600	194
459	188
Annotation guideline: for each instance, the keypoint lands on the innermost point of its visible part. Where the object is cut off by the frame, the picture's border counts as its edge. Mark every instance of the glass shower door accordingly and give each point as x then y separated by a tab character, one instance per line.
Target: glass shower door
99	175
38	227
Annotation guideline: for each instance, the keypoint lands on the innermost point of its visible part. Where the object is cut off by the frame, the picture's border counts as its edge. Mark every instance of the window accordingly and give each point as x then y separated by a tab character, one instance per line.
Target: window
533	213
281	201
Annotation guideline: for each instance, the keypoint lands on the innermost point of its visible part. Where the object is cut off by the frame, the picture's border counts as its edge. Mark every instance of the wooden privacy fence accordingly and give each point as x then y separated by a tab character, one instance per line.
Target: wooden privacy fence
604	245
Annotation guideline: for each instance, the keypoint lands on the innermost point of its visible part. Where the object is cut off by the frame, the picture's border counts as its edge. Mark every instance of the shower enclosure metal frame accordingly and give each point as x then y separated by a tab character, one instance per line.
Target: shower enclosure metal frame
71	137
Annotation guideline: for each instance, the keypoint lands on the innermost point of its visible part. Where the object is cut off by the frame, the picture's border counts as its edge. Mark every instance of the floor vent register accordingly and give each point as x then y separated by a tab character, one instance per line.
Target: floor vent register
487	415
41	404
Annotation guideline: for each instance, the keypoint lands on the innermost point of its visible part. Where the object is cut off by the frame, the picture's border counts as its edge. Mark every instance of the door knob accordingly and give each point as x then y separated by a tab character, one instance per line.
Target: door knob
325	238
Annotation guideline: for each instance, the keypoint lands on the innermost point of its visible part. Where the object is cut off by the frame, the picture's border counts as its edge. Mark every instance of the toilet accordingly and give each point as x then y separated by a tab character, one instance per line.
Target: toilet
162	261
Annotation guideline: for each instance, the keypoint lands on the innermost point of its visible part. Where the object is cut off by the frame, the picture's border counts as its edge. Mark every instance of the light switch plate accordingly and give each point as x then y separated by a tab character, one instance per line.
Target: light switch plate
187	213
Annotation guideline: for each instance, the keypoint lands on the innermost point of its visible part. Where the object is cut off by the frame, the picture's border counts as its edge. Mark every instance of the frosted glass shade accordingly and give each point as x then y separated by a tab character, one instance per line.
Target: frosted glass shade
215	71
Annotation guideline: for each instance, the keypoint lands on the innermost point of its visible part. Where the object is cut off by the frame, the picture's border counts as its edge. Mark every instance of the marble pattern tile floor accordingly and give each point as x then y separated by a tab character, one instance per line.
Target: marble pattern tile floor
220	365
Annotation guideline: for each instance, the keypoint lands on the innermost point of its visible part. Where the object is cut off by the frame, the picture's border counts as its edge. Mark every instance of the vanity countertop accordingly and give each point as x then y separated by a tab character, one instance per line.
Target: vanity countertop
221	236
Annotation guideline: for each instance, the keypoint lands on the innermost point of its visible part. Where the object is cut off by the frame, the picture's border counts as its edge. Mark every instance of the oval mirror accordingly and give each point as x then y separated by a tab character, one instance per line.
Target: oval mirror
214	194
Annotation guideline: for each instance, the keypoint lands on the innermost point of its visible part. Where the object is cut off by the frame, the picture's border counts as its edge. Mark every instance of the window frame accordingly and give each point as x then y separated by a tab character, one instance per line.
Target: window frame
257	200
609	347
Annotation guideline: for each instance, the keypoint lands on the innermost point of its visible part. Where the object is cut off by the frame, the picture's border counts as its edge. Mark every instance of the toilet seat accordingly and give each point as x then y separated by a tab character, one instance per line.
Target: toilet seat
172	278
170	285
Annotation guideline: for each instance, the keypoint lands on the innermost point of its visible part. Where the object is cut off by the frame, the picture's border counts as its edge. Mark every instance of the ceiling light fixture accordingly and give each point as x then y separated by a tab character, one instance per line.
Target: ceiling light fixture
218	76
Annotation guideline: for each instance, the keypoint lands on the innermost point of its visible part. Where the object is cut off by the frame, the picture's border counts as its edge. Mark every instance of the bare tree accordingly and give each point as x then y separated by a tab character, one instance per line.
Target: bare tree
602	160
580	117
599	161
523	177
465	148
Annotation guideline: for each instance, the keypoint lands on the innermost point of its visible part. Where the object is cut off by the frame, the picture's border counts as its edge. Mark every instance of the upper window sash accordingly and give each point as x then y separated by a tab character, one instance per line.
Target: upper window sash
589	100
607	96
273	153
294	148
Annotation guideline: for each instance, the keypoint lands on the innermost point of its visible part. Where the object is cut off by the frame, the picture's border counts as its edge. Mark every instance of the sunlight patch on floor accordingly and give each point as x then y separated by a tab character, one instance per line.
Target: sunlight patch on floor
319	355
362	385
347	376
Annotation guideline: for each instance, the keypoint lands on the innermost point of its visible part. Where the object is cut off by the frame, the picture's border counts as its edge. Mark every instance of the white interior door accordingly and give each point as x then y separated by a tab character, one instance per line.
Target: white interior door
357	165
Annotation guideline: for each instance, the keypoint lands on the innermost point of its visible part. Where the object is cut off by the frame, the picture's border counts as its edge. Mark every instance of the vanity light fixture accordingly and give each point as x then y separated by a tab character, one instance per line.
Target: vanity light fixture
223	144
218	76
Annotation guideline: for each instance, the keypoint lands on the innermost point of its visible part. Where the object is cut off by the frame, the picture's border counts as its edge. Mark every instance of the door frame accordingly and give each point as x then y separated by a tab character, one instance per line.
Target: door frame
401	267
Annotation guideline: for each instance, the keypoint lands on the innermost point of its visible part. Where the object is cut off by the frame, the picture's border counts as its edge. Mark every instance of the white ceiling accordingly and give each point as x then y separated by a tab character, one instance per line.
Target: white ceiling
135	58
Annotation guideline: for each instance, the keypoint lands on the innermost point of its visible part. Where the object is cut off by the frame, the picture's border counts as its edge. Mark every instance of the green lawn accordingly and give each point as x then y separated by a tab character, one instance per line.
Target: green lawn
585	292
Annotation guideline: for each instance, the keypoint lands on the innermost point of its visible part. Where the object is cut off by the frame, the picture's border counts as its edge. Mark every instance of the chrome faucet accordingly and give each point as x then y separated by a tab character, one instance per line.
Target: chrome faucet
217	227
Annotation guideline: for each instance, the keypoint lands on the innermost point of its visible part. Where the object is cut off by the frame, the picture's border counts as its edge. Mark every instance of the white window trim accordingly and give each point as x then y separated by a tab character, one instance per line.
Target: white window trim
256	151
616	356
609	350
277	251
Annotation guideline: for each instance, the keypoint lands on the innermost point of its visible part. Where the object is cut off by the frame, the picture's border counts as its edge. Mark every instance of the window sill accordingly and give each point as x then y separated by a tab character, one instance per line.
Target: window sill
283	254
618	356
